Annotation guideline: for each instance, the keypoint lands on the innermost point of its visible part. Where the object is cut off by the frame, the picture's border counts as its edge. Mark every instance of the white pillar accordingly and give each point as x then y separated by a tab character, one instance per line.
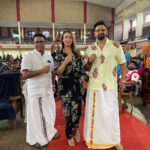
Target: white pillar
118	32
84	33
19	32
126	28
22	33
81	34
139	24
53	30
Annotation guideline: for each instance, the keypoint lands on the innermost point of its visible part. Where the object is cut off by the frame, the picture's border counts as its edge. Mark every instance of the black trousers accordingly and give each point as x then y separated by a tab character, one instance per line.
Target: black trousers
72	111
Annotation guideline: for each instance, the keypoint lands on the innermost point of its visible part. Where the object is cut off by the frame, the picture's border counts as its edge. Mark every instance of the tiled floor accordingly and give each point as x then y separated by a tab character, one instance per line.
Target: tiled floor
139	111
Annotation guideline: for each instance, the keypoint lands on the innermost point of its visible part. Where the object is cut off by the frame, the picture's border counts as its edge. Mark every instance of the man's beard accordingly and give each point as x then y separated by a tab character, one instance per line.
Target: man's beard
101	36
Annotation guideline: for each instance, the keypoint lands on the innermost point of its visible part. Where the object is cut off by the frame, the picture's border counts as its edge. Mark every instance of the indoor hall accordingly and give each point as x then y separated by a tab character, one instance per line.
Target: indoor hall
127	26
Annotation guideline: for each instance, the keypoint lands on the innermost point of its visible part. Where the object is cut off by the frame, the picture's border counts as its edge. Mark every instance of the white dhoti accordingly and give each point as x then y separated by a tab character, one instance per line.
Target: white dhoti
101	123
25	94
41	114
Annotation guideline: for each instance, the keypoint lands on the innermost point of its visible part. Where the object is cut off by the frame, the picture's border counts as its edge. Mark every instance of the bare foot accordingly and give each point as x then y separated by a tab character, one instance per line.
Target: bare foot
71	142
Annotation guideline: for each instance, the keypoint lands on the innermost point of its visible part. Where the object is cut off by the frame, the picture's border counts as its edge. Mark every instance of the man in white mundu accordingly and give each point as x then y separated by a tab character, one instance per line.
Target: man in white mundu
36	67
101	123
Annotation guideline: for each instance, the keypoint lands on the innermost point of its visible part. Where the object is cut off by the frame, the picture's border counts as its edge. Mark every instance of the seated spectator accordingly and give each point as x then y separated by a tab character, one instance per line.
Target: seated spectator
9	64
133	78
138	61
132	75
4	67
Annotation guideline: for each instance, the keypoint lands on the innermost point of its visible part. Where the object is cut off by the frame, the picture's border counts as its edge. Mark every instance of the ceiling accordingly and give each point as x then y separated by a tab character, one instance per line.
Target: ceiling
108	3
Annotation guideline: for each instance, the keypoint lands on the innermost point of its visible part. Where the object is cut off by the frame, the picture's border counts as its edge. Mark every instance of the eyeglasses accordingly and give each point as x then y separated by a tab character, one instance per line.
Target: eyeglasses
39	42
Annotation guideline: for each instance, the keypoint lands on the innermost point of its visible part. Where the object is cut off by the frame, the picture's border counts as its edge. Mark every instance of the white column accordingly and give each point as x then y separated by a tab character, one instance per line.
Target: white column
53	30
118	32
84	33
126	28
22	33
19	32
139	24
81	34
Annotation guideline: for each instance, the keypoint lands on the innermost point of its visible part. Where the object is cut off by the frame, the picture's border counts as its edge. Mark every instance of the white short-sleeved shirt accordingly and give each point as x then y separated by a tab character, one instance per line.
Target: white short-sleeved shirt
34	61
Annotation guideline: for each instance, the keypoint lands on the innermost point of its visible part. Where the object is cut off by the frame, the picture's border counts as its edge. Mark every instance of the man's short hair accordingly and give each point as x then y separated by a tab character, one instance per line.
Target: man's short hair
39	35
149	37
101	22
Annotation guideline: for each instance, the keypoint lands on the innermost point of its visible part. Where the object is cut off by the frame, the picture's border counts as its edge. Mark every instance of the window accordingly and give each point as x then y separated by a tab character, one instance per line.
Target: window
147	18
46	33
30	33
134	23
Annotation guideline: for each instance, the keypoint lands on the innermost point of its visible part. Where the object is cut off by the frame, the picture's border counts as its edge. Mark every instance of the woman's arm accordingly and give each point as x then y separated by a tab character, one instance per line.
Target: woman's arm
61	69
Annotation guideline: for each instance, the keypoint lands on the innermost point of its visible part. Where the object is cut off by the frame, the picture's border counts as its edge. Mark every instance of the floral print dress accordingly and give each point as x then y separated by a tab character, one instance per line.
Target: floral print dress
70	88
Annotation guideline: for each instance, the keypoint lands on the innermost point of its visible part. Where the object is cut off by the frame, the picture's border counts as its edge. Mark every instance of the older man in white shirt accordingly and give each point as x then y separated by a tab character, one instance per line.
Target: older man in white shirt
36	68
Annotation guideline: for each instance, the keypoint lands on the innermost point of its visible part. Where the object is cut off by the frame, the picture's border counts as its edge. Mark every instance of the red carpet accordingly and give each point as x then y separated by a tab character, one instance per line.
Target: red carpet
134	134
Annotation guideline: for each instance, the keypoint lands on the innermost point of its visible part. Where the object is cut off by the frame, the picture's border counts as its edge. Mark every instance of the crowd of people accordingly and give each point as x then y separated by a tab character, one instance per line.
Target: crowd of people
101	121
136	67
10	64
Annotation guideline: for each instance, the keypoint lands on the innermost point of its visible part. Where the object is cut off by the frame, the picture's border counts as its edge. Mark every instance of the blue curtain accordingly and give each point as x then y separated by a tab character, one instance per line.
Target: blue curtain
9	86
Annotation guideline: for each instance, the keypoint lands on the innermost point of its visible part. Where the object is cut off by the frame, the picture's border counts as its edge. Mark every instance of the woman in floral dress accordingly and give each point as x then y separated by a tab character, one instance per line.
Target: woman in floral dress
70	71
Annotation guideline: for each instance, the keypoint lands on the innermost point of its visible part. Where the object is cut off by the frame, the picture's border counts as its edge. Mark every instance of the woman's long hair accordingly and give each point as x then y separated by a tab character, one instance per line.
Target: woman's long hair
73	45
